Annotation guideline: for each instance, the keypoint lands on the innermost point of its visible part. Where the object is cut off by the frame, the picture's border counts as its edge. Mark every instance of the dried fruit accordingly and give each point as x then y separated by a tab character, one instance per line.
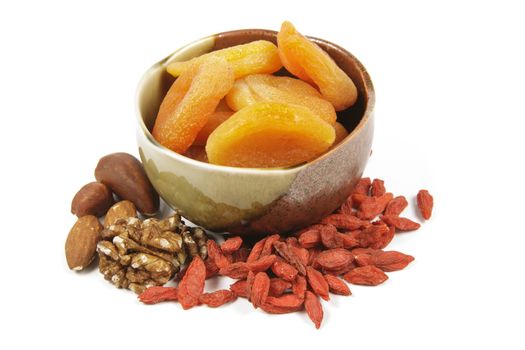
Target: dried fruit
345	222
374	236
425	203
310	238
238	270
120	210
373	206
334	259
260	289
363	186
396	206
126	177
259	56
278	286
391	260
366	275
231	245
190	101
263	263
284	304
400	223
255	253
81	243
284	270
313	308
94	198
217	298
216	254
299	286
266	135
268	88
239	288
336	285
268	244
340	134
317	282
330	237
286	252
192	284
378	188
305	59
157	294
214	120
211	269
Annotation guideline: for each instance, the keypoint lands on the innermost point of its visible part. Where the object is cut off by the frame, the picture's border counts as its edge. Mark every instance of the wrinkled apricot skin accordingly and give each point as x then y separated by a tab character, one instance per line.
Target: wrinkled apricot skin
190	101
259	56
269	135
309	62
268	88
216	119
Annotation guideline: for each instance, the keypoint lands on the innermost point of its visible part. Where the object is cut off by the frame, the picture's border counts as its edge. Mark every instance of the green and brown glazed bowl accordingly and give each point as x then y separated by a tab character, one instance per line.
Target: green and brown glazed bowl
255	201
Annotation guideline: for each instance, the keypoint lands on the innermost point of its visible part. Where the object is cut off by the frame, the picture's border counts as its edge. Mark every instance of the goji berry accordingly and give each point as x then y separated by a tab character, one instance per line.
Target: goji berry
284	270
260	289
263	264
192	284
217	298
238	270
366	275
336	285
317	282
231	245
157	294
377	189
400	223
278	286
425	203
396	206
313	308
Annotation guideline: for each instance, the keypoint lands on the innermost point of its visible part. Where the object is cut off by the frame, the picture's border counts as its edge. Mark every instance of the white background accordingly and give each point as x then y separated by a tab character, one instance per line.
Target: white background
449	78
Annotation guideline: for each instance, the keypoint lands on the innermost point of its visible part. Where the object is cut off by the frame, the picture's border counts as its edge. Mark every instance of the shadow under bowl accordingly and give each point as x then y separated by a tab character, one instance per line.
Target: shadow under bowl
249	201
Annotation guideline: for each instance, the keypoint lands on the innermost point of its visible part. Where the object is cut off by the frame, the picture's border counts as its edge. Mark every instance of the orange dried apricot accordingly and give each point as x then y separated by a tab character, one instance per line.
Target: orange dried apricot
340	133
259	56
216	119
309	62
269	88
268	135
190	101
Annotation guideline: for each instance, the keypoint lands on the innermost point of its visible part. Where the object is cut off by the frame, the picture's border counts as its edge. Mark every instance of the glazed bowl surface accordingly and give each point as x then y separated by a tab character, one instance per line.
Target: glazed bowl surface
250	200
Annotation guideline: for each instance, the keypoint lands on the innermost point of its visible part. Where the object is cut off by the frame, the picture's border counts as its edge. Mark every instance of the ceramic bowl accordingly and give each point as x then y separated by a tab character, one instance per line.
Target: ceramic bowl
248	200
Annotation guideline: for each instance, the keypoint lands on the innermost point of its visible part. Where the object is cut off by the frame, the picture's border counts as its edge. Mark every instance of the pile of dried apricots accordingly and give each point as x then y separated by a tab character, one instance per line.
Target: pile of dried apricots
226	107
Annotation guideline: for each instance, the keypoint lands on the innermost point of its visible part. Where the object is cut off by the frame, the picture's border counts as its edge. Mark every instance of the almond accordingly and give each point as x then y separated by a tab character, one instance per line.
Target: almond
121	210
81	243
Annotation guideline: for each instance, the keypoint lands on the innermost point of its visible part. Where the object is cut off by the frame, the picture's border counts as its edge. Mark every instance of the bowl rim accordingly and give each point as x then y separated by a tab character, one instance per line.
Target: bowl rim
370	102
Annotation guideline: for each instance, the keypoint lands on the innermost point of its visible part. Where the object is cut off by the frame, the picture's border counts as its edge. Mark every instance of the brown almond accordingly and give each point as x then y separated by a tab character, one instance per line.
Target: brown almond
81	243
92	199
121	210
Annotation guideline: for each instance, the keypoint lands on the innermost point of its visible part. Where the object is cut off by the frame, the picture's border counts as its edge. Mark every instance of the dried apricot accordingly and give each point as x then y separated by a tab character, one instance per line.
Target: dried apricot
267	135
259	56
190	101
305	59
268	88
214	120
340	133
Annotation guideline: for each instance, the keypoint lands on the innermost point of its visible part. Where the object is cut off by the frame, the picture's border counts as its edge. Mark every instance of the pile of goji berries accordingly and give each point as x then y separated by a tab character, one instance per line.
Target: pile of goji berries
287	274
